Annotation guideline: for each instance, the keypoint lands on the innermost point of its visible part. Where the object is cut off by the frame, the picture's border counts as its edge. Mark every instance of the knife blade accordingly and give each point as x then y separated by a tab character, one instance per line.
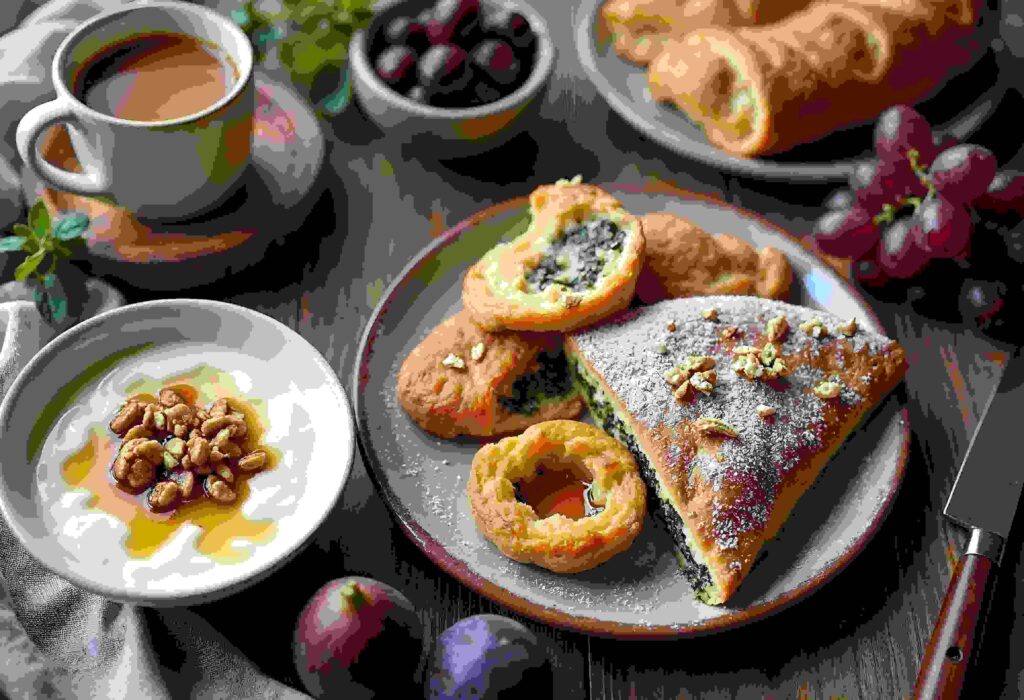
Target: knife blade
984	499
987	489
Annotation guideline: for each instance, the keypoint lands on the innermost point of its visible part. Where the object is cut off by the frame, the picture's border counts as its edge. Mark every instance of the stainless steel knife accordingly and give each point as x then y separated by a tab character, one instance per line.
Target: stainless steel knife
984	499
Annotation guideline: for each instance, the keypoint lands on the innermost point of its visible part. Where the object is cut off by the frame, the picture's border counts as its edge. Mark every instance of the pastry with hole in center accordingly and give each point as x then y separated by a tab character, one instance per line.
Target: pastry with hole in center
576	263
731	406
461	380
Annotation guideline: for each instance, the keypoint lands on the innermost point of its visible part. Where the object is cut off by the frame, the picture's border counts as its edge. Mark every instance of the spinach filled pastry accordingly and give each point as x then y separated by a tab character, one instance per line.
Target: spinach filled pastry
461	380
731	406
576	263
760	90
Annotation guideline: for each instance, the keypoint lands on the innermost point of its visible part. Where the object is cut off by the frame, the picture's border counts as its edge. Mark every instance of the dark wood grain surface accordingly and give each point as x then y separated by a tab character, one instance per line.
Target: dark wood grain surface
861	636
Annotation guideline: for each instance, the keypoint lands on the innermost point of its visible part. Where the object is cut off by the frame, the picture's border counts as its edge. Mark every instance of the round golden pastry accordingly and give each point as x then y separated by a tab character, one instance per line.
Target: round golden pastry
683	260
562	273
558	543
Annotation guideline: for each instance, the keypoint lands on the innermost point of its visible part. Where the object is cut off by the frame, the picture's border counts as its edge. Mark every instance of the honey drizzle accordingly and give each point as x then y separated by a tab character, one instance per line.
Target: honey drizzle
90	468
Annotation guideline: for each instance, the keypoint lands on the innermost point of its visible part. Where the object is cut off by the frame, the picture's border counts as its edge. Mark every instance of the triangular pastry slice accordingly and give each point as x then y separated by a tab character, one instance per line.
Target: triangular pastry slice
731	406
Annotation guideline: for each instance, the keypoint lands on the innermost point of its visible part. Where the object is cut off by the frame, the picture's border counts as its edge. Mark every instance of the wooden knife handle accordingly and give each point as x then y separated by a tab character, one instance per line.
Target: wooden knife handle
949	649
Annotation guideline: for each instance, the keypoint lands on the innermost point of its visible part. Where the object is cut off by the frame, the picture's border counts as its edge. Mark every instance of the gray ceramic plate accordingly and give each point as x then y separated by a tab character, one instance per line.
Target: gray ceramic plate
957	110
59	407
640	593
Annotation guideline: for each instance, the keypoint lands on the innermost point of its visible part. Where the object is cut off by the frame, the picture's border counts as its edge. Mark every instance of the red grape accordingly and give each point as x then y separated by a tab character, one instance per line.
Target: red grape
882	182
1005	193
963	173
846	233
840	199
899	255
901	129
943	228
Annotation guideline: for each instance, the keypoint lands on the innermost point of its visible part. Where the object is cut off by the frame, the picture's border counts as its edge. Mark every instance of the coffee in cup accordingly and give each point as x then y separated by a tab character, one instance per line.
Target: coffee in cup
158	99
156	77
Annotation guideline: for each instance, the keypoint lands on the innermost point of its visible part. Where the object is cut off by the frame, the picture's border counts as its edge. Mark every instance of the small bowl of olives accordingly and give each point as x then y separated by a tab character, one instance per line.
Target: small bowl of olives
457	76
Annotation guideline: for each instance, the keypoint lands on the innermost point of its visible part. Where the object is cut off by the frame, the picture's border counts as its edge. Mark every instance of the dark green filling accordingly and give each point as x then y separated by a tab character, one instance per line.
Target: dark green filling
549	381
696	573
575	259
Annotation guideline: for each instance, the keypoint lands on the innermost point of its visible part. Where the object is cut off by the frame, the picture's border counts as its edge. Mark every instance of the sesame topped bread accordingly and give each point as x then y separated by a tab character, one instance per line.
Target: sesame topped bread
731	406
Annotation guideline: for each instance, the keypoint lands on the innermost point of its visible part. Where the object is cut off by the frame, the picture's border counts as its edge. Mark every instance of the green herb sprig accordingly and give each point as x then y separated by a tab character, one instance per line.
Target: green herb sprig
313	34
46	243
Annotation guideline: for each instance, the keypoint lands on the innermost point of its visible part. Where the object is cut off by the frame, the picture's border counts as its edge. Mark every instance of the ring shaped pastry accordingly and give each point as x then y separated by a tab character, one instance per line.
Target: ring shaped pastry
558	543
577	263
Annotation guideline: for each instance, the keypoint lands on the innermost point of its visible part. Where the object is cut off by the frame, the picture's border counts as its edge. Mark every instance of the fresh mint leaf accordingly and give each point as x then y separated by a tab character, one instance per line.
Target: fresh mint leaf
39	218
71	227
29	265
11	243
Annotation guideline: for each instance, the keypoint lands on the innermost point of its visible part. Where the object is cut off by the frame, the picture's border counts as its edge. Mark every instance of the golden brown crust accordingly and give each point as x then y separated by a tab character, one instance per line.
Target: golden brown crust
557	543
638	28
495	290
734	492
682	260
758	90
448	400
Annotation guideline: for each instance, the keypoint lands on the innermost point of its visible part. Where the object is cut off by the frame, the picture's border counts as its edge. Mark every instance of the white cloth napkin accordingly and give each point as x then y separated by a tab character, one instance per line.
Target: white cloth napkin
57	641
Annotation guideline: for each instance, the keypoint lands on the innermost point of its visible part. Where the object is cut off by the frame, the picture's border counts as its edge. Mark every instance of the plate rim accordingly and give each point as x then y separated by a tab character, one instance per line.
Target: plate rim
443	559
201	594
709	155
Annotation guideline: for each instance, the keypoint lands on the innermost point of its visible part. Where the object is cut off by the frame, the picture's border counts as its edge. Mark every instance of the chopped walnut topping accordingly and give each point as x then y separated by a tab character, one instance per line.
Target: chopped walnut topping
815	328
710	314
682	392
765	411
849	328
698	363
758	363
453	361
704	382
776	327
676	376
715	425
671	326
477	352
745	350
827	390
730	331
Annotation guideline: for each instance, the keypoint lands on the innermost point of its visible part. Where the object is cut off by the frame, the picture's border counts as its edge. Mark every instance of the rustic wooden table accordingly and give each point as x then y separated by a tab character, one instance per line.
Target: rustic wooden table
861	636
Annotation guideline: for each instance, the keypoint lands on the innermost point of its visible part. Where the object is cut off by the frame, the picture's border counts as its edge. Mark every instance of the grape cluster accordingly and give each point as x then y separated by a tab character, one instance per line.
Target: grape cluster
930	219
457	53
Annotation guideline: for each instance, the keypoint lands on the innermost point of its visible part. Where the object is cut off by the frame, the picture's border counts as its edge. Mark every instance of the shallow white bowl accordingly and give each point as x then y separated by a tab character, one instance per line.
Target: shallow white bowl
73	385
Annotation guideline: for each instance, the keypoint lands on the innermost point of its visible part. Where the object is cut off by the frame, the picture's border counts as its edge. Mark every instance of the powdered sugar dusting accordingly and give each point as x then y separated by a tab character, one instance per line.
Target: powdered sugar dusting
628	355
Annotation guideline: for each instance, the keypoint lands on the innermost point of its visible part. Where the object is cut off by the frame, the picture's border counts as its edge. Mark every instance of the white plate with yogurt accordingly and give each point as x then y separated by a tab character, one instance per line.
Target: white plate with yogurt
56	491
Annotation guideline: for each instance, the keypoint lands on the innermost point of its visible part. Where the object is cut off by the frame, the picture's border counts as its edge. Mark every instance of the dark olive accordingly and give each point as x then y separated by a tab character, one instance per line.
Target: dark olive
497	61
396	66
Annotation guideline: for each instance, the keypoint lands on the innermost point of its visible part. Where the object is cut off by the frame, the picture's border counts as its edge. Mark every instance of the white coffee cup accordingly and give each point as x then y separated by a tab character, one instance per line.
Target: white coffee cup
170	168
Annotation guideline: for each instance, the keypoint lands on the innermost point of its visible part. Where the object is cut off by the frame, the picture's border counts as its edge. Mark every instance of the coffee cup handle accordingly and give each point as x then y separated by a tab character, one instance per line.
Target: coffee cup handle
35	122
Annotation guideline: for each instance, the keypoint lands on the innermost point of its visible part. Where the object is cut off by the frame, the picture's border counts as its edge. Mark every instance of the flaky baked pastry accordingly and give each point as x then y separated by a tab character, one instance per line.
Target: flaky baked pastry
682	260
760	90
640	27
577	263
731	407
